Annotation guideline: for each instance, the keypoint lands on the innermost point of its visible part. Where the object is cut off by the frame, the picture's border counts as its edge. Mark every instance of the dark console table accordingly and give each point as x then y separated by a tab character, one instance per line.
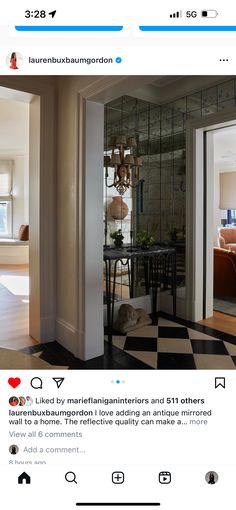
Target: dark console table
159	262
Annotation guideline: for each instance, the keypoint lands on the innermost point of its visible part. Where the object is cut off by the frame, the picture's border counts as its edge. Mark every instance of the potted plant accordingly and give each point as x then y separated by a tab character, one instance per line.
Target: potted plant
144	239
118	237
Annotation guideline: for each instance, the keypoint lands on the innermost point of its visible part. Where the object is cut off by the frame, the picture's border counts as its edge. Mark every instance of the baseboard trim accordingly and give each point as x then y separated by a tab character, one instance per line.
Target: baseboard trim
74	340
66	335
166	305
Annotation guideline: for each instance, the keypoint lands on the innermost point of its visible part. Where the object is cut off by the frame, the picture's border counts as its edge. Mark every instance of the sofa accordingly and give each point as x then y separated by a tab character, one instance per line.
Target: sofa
224	273
227	238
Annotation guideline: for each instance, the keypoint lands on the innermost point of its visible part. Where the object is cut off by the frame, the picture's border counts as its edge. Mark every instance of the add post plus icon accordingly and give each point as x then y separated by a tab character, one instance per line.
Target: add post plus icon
118	477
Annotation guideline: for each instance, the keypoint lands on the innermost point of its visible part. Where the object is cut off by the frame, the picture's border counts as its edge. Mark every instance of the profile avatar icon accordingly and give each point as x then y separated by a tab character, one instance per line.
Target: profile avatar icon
13	61
28	401
13	401
211	477
13	449
22	401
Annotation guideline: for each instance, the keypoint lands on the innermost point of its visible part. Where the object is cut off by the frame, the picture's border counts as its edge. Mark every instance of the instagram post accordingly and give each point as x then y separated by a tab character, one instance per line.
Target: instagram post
133	291
131	278
117	256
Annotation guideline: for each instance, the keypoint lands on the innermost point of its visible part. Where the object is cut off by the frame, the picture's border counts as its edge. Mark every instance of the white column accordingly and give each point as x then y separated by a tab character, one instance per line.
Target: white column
90	238
42	217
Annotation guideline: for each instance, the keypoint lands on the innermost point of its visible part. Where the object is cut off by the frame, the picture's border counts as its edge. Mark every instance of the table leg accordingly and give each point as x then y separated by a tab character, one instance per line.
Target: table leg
166	271
131	277
154	271
173	281
108	299
113	296
146	274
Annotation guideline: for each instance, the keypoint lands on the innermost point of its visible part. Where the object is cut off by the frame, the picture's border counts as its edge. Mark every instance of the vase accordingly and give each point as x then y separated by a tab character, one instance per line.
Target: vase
118	243
118	209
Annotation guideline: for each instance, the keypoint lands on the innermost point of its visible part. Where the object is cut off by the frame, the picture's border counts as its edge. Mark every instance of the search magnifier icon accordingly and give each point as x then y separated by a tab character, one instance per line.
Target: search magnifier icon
70	477
36	383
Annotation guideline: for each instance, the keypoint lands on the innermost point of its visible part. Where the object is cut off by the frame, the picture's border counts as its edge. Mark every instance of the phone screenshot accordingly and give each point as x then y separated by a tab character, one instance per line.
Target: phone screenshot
117	256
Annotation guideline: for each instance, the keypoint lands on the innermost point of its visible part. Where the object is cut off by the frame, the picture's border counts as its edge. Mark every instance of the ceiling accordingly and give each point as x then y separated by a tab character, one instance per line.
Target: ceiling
164	89
15	95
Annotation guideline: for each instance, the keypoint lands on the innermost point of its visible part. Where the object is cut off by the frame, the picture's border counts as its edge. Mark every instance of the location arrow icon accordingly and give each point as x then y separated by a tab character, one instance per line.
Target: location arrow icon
58	381
52	13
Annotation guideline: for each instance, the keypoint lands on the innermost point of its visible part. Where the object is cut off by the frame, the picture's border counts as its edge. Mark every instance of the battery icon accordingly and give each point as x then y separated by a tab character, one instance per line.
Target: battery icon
210	13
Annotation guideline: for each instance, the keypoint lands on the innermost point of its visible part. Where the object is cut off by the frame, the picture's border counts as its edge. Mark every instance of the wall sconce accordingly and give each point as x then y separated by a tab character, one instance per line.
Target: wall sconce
126	166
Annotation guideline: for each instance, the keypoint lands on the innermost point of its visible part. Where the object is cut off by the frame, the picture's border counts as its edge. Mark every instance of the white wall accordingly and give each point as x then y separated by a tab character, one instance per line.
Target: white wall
14	254
14	144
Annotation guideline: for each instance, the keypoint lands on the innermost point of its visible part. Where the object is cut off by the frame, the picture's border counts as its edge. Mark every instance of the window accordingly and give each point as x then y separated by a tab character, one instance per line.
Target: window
6	198
231	216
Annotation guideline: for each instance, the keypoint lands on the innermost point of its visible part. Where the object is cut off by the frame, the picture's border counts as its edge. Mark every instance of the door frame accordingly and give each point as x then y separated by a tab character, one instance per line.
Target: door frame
42	245
199	212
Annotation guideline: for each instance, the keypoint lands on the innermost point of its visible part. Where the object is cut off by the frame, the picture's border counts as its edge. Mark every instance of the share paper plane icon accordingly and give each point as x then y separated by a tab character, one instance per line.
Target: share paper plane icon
58	381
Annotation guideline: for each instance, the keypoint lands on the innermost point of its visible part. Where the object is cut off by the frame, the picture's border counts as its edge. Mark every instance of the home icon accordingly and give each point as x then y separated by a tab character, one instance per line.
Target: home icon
24	478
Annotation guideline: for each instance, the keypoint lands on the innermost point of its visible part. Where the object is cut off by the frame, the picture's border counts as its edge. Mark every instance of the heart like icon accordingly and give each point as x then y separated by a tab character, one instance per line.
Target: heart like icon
14	381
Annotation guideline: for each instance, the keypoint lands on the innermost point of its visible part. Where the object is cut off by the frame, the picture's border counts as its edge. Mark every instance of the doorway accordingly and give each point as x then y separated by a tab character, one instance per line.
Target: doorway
35	205
14	221
224	298
201	222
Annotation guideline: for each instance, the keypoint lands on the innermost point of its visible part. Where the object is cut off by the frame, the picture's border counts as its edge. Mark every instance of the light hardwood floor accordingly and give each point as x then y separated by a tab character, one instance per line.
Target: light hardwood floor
222	322
14	308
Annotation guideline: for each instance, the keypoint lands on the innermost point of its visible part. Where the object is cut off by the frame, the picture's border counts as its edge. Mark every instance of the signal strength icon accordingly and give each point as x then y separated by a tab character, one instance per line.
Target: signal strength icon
177	14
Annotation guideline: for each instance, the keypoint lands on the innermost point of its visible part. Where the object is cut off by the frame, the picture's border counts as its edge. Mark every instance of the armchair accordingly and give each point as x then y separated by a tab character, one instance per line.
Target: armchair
224	274
227	238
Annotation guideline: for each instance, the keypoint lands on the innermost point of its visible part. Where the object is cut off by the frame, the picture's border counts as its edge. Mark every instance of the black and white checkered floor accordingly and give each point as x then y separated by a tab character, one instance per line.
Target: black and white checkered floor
179	345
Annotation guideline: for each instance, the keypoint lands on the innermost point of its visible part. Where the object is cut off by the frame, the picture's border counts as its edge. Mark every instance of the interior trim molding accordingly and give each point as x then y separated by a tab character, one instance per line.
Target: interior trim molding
194	208
102	83
42	251
66	335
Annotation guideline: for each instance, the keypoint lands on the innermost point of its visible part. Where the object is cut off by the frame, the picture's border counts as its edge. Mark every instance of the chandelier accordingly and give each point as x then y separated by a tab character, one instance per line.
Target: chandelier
126	165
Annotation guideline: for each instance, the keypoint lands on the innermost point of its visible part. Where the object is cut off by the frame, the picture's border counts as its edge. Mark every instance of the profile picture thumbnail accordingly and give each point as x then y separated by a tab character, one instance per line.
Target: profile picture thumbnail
28	401
22	401
13	401
13	449
211	477
14	60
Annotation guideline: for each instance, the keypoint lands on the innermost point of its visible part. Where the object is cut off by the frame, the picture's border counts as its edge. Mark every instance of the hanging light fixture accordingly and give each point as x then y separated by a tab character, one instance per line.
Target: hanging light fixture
126	165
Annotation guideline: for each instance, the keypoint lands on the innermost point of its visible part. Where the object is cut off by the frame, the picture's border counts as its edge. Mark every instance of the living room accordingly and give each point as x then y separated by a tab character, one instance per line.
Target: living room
224	219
